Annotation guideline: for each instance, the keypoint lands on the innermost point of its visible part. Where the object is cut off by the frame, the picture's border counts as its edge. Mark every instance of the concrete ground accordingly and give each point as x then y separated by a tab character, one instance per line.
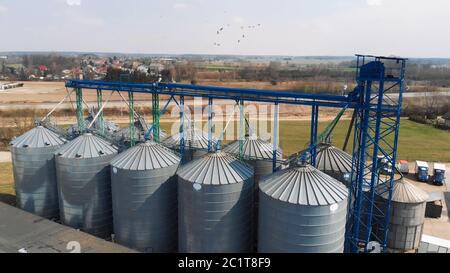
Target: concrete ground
440	227
5	157
25	232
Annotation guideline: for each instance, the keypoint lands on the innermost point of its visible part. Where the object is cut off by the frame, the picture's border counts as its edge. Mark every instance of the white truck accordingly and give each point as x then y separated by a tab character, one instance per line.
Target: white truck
403	166
438	174
421	171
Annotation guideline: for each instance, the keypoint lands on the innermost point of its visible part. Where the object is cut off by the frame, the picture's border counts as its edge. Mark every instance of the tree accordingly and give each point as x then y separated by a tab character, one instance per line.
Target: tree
4	69
22	74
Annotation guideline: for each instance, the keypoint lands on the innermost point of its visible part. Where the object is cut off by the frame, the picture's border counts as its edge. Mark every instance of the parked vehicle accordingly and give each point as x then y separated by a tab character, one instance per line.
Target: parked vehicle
384	165
421	171
438	174
403	166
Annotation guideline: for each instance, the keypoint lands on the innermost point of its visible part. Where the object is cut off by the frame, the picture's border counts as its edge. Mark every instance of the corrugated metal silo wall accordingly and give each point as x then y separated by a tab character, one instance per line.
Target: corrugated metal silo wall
291	228
216	218
261	168
338	176
145	209
198	153
406	226
84	187
35	180
191	154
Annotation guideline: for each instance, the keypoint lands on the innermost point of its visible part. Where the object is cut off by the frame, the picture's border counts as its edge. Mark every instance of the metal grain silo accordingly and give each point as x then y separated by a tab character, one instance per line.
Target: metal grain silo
34	171
407	215
301	210
123	135
259	154
334	162
84	185
144	195
196	143
256	152
215	195
109	126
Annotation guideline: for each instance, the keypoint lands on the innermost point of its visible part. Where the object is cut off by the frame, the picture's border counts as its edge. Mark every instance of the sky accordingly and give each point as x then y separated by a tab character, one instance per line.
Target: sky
409	28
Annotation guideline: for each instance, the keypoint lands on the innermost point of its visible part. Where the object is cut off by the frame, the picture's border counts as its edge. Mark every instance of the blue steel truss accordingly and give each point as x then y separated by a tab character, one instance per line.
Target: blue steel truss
375	131
374	150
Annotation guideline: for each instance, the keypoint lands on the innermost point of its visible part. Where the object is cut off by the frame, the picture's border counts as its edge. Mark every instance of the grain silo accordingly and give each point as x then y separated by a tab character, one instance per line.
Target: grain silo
215	195
144	194
125	134
196	143
83	175
109	126
34	171
334	162
259	154
256	152
407	215
140	132
301	210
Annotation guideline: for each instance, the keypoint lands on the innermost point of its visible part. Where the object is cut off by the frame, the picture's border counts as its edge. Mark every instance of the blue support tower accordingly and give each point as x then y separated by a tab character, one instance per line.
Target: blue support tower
374	149
182	133
313	135
275	136
210	117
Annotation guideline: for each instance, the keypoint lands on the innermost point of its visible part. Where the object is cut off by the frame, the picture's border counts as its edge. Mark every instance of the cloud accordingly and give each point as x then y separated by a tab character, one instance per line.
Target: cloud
89	21
238	19
3	9
374	2
180	5
73	2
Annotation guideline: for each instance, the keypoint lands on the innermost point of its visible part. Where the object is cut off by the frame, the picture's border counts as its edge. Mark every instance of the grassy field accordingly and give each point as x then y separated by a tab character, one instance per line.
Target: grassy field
6	183
417	141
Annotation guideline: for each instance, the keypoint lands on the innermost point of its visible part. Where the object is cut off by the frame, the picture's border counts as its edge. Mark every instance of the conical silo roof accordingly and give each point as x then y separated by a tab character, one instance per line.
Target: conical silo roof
145	156
331	158
217	168
403	192
304	185
253	148
109	126
38	137
125	133
194	138
87	146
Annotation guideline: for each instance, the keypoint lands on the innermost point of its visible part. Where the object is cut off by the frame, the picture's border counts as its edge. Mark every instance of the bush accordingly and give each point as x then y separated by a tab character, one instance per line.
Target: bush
418	118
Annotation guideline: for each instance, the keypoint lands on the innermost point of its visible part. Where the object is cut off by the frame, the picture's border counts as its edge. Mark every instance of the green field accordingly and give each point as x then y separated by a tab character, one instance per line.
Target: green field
417	141
6	183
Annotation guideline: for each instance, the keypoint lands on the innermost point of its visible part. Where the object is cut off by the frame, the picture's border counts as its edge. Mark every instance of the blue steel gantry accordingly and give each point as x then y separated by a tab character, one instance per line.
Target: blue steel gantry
375	131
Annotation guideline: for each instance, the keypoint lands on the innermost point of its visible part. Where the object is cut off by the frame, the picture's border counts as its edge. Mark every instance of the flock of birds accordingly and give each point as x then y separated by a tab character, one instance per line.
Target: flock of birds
242	37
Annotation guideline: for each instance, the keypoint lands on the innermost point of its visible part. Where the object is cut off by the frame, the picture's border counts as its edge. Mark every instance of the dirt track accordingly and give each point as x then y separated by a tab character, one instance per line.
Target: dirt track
5	157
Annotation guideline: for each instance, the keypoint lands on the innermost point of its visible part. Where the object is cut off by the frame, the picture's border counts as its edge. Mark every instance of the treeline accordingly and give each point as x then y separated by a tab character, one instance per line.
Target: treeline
119	75
55	63
435	75
275	72
177	72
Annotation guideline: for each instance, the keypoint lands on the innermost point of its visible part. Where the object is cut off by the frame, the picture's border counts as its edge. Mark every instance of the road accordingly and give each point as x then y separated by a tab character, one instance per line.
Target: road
116	103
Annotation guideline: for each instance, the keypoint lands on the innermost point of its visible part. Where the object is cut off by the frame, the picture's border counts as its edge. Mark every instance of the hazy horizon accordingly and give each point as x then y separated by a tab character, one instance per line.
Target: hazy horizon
413	29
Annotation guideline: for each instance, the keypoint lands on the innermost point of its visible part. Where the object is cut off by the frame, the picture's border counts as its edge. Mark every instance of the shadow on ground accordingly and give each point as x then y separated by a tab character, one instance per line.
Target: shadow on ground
8	199
447	202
